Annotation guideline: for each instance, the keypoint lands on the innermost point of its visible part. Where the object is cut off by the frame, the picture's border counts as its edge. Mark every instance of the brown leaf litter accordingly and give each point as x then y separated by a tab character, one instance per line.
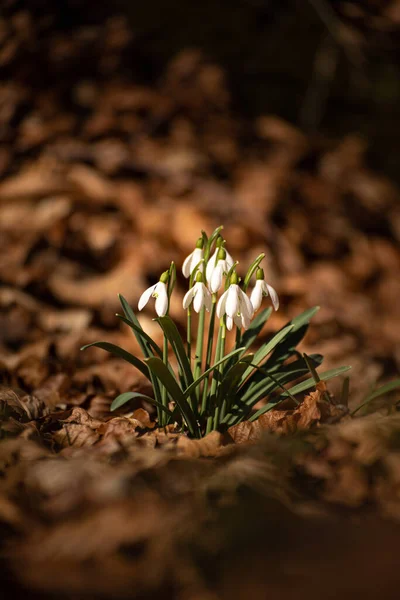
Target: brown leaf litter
104	181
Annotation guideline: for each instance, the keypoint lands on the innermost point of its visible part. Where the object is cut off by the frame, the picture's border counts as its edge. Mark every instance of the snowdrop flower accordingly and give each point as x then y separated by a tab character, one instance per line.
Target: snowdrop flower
236	305
263	289
160	293
213	261
193	259
220	269
199	295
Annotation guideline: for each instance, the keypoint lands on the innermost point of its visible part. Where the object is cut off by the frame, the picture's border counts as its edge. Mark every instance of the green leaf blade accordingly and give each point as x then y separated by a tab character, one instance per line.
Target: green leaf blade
121	353
160	370
127	396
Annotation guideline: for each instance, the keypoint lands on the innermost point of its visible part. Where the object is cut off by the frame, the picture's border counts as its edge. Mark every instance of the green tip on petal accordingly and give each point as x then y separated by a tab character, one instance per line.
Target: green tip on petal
220	241
200	243
164	277
234	280
260	273
199	276
221	254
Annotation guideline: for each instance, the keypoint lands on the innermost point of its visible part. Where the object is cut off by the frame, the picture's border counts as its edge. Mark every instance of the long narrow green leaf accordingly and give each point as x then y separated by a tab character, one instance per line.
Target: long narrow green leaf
142	333
159	369
231	381
266	349
121	353
251	334
210	241
288	346
194	385
314	374
264	369
144	345
304	318
384	389
126	396
301	387
280	385
266	386
309	383
129	314
344	396
251	270
171	332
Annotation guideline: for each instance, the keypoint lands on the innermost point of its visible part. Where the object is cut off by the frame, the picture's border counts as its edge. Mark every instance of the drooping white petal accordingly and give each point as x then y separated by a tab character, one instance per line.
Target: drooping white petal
188	298
229	260
145	297
257	294
211	265
192	261
198	296
273	296
216	277
236	320
245	320
232	302
245	304
161	299
221	304
186	265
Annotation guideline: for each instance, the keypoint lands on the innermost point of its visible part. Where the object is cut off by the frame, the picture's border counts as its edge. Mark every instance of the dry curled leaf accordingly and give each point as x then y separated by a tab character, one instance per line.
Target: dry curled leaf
313	411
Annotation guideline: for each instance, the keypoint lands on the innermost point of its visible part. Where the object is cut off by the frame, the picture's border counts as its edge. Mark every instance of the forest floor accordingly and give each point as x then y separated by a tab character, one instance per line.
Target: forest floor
104	181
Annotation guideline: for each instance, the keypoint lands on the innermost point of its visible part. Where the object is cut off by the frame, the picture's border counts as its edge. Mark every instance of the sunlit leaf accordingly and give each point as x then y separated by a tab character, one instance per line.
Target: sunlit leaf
127	396
159	369
142	333
121	353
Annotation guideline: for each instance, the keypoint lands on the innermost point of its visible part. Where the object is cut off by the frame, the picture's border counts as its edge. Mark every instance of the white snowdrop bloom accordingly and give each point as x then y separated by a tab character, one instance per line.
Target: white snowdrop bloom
199	295
192	261
262	289
236	305
213	261
160	293
220	269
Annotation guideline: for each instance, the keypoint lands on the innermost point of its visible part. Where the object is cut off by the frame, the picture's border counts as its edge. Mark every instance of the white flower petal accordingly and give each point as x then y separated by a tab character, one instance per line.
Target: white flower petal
221	304
197	256
161	299
198	296
232	302
257	295
186	265
273	296
145	297
211	265
188	298
245	319
229	260
229	323
245	304
216	277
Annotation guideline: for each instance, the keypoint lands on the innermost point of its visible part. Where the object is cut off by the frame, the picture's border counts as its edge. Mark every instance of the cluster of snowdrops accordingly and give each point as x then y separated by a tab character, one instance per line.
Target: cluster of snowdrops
215	387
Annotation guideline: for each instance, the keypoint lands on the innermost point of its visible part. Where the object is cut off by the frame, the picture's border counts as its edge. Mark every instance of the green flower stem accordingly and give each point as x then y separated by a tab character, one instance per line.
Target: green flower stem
209	351
209	427
189	332
164	395
199	346
221	352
